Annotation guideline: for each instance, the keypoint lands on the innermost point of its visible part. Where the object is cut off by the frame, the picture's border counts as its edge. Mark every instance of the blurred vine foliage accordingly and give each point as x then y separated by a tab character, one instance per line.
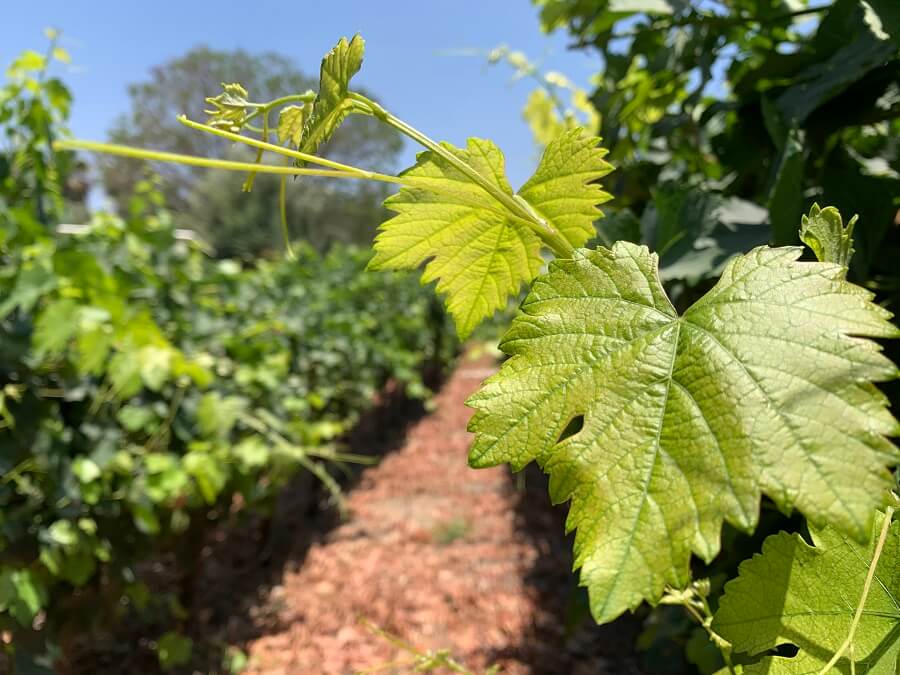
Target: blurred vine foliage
145	385
728	120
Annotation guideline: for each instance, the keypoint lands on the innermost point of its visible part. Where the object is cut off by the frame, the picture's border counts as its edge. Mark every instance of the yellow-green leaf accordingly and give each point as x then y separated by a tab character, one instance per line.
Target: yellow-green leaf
290	123
685	421
806	596
332	103
478	251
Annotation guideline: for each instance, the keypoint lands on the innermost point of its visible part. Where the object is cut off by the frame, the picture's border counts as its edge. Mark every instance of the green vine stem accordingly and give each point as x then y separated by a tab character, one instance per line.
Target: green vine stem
287	152
423	661
248	184
205	162
848	643
516	208
693	599
282	211
264	108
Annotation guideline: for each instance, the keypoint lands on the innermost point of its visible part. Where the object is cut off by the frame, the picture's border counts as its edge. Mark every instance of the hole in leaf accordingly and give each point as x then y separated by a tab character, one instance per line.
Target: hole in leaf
575	425
786	651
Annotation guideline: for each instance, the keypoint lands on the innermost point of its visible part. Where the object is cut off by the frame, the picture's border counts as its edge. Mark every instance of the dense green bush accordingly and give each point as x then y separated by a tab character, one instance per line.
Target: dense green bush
770	102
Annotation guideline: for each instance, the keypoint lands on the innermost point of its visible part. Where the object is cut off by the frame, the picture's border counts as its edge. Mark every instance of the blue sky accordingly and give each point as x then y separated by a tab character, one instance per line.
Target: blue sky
449	98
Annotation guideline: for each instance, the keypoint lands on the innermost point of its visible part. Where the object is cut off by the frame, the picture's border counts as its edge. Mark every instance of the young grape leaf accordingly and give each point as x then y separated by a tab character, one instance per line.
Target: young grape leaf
290	122
685	421
794	593
563	189
229	108
823	230
332	103
479	252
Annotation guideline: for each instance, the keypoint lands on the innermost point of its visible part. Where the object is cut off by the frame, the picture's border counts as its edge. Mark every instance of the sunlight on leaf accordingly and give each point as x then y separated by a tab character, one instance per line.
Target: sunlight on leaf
479	253
803	595
756	389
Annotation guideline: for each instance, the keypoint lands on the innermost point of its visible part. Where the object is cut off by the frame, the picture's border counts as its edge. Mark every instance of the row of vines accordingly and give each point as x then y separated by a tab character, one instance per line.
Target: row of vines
146	385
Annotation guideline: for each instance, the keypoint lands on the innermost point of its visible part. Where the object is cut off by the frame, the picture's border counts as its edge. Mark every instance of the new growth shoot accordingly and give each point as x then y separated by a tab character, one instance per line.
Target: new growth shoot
306	121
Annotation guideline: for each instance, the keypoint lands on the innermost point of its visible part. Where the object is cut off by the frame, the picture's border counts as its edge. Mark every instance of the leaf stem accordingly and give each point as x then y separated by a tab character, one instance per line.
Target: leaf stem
287	152
204	162
248	184
518	206
848	643
282	210
693	599
264	108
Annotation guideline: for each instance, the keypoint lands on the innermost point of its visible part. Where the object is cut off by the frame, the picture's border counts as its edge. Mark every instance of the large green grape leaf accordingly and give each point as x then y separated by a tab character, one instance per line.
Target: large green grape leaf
794	593
477	250
757	388
332	103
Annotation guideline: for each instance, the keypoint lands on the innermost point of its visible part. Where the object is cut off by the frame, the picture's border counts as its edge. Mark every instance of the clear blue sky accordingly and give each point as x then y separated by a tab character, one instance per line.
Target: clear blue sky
450	98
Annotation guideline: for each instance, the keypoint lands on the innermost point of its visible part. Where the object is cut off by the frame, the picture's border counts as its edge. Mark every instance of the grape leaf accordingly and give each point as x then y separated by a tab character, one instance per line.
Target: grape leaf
757	388
332	103
229	108
823	230
479	252
794	593
563	190
290	122
55	326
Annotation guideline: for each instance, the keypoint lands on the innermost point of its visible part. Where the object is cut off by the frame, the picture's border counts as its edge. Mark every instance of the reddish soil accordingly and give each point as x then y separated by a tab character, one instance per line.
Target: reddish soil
441	556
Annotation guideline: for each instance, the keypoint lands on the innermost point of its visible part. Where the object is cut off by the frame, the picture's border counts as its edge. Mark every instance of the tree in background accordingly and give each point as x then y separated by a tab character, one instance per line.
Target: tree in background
320	212
235	222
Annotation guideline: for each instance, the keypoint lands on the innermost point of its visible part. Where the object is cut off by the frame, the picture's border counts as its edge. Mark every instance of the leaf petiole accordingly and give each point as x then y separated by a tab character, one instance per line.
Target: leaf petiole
205	162
282	210
693	599
287	152
262	108
518	207
248	184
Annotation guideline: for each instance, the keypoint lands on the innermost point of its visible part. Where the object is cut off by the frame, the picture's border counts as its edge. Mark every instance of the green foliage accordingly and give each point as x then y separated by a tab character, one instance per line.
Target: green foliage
33	107
174	650
480	252
824	232
686	420
332	104
658	426
776	103
147	386
803	595
147	394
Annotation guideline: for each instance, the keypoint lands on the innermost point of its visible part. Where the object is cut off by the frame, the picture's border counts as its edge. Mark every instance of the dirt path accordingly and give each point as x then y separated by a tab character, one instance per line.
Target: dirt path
440	555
